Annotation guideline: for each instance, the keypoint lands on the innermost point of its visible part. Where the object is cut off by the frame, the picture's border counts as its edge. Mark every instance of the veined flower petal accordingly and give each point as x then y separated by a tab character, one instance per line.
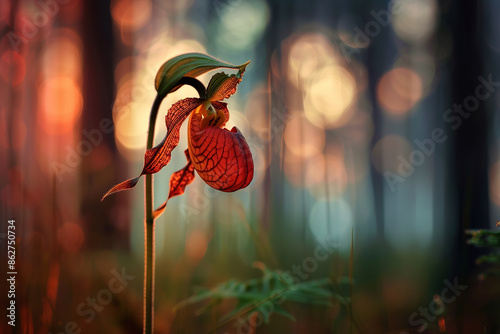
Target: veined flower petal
159	156
221	157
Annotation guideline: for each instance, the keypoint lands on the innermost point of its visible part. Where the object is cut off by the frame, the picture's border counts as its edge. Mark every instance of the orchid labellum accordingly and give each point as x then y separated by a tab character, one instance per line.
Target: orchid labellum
220	156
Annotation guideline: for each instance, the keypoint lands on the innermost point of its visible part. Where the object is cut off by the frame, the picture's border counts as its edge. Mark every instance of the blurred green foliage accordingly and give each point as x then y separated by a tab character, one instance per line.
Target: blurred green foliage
487	238
274	288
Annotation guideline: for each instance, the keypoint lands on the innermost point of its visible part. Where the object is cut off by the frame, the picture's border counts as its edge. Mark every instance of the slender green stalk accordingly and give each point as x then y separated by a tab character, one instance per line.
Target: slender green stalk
149	221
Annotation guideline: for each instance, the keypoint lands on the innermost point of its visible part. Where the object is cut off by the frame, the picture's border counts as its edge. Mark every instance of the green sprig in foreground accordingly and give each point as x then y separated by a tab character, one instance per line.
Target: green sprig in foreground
276	287
487	238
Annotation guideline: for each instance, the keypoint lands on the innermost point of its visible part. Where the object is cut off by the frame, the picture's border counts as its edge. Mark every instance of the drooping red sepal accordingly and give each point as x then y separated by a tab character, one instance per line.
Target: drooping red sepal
178	183
159	156
221	157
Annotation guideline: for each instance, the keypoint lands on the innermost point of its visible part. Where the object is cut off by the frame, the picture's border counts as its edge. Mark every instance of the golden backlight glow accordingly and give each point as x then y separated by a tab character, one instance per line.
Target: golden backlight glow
308	54
136	93
399	90
63	56
131	126
416	21
328	98
316	69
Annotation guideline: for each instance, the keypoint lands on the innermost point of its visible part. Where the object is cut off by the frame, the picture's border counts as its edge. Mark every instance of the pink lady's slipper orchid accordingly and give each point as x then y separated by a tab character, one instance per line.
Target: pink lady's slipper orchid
220	156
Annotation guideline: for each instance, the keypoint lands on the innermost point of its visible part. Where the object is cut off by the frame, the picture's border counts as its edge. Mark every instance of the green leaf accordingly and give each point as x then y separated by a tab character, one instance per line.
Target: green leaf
279	310
187	65
243	308
484	238
271	287
489	258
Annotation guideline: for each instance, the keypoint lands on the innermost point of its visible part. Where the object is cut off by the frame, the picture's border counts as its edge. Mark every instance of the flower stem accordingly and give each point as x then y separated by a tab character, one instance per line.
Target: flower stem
149	221
149	260
149	231
196	84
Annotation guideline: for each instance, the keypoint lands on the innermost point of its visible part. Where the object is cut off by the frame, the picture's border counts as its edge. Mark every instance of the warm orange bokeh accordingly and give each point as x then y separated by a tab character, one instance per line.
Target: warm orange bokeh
131	15
399	90
61	103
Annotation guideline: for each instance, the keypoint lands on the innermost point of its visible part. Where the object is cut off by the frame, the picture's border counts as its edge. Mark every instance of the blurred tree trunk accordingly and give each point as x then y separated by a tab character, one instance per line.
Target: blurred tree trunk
469	168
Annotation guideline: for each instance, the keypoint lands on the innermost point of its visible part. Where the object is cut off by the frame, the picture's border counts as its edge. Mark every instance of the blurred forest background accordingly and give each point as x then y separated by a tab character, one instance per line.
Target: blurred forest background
374	127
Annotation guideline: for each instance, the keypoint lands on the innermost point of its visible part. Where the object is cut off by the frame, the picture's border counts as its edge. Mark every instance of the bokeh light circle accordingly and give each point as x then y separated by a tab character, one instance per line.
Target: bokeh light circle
399	90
